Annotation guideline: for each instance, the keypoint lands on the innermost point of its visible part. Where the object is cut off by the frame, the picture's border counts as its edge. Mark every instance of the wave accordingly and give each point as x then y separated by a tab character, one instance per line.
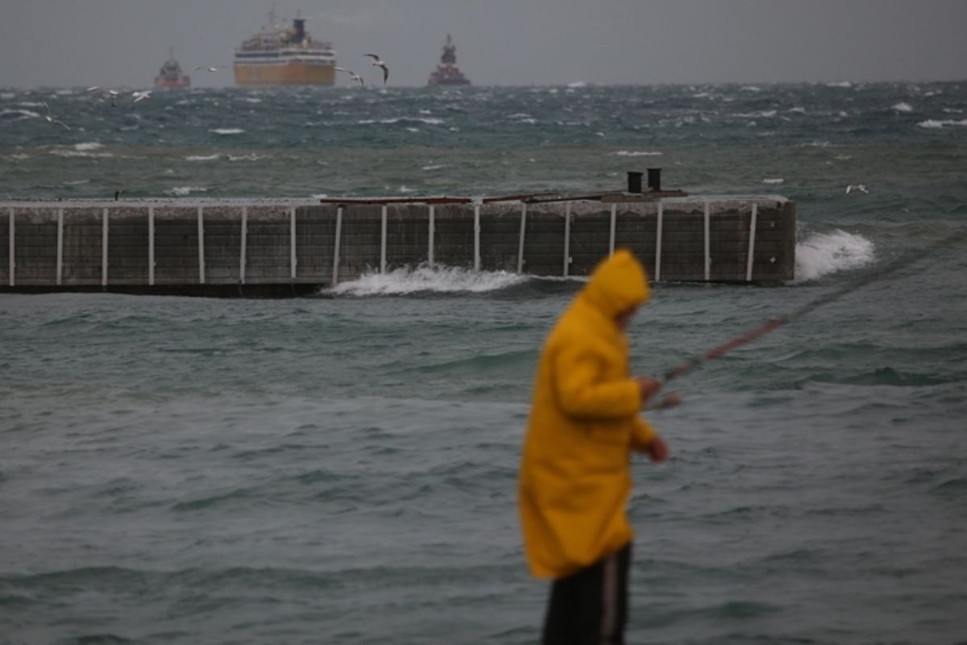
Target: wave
227	130
821	254
935	124
438	279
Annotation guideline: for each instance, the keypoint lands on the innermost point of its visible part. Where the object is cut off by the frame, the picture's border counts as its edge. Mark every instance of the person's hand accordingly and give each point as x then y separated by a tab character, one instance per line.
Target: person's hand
658	450
648	387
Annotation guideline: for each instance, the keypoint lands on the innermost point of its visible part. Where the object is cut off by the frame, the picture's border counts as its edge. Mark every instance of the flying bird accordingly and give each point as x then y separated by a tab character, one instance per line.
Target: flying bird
859	187
140	96
352	75
112	94
50	118
378	62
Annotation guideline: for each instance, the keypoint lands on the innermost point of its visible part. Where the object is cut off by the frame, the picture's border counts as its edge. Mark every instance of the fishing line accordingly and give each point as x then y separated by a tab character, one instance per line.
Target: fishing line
896	265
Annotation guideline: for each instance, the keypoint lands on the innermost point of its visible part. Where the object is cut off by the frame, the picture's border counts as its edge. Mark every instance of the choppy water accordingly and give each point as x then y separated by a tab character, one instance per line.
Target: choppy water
342	469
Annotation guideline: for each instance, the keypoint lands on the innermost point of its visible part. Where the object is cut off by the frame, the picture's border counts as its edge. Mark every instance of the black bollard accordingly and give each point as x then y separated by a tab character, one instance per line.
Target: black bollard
634	182
654	179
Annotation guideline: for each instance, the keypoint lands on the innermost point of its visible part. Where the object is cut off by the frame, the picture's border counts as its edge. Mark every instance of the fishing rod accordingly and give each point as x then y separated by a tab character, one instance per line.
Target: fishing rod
896	265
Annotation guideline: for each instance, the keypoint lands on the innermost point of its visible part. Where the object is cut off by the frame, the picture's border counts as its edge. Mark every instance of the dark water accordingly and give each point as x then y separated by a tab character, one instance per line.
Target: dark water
343	469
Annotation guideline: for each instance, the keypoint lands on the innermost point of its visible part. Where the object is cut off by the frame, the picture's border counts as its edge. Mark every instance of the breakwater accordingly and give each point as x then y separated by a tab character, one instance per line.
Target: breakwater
285	247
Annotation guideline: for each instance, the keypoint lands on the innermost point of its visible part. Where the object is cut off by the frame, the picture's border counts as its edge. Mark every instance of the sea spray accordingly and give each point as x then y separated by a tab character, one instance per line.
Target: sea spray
821	254
441	279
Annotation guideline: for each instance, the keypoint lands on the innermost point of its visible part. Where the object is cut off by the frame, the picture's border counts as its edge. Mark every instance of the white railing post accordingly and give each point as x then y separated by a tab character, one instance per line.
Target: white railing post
567	237
476	237
335	251
708	256
151	245
614	217
104	238
432	229
241	269
293	260
382	240
201	245
661	214
748	262
60	245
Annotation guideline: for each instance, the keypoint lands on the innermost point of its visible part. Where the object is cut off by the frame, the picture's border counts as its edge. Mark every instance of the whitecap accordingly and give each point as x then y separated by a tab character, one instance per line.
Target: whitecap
412	129
440	279
902	107
249	157
92	145
845	84
181	191
935	124
577	85
6	96
773	180
637	153
821	254
202	157
227	130
405	189
751	88
433	167
24	114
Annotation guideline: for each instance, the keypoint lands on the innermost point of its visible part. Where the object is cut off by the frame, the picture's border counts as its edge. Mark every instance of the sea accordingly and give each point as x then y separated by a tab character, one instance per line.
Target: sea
342	468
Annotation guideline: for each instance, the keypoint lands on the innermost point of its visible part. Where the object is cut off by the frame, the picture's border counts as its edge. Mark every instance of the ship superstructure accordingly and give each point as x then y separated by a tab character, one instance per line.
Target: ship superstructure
447	72
170	74
277	55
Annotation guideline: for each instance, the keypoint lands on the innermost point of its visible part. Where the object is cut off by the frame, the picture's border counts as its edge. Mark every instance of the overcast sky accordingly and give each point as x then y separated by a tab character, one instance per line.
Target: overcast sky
76	43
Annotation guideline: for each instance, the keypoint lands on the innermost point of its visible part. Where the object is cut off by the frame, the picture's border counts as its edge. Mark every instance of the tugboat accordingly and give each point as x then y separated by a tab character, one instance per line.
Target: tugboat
279	56
171	74
447	72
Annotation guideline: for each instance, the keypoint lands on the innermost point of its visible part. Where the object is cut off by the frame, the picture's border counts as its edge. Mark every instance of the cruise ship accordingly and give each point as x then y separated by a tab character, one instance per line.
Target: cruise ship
277	55
447	72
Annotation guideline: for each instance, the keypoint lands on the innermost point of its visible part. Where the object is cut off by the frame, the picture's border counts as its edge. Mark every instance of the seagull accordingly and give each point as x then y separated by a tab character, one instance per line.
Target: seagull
140	96
353	75
378	62
113	94
50	117
210	68
859	187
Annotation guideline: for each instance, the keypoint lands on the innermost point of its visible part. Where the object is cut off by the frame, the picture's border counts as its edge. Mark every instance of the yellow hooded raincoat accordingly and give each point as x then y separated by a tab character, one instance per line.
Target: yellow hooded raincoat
584	423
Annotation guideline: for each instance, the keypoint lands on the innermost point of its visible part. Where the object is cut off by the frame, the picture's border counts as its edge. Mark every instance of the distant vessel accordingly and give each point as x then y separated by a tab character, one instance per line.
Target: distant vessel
447	72
279	56
171	74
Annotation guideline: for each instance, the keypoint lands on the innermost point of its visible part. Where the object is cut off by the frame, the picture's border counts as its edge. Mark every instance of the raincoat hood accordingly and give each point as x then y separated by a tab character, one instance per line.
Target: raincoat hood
617	284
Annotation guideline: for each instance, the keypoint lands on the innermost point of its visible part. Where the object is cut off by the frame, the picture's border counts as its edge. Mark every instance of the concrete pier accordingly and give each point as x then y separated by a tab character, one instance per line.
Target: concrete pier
278	248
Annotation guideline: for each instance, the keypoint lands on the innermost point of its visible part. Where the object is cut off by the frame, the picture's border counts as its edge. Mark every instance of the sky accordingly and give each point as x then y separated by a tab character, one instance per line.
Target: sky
122	43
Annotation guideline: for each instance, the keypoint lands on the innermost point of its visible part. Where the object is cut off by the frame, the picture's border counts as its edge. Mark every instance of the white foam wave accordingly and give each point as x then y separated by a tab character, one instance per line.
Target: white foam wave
902	107
24	114
935	124
91	145
845	84
821	254
773	180
637	153
227	130
181	191
201	157
439	279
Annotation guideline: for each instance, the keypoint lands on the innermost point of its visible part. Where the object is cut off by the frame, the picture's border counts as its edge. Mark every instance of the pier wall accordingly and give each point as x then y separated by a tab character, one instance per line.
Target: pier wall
217	248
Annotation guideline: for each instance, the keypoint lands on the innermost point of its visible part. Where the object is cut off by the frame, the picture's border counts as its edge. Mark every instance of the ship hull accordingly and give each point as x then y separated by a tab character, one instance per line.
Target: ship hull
294	73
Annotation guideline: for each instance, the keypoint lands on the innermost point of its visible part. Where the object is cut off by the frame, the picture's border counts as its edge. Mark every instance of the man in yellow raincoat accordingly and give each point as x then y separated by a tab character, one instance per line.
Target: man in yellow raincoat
574	476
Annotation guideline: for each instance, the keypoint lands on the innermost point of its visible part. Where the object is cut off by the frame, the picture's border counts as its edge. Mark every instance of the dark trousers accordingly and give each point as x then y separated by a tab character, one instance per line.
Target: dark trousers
590	607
